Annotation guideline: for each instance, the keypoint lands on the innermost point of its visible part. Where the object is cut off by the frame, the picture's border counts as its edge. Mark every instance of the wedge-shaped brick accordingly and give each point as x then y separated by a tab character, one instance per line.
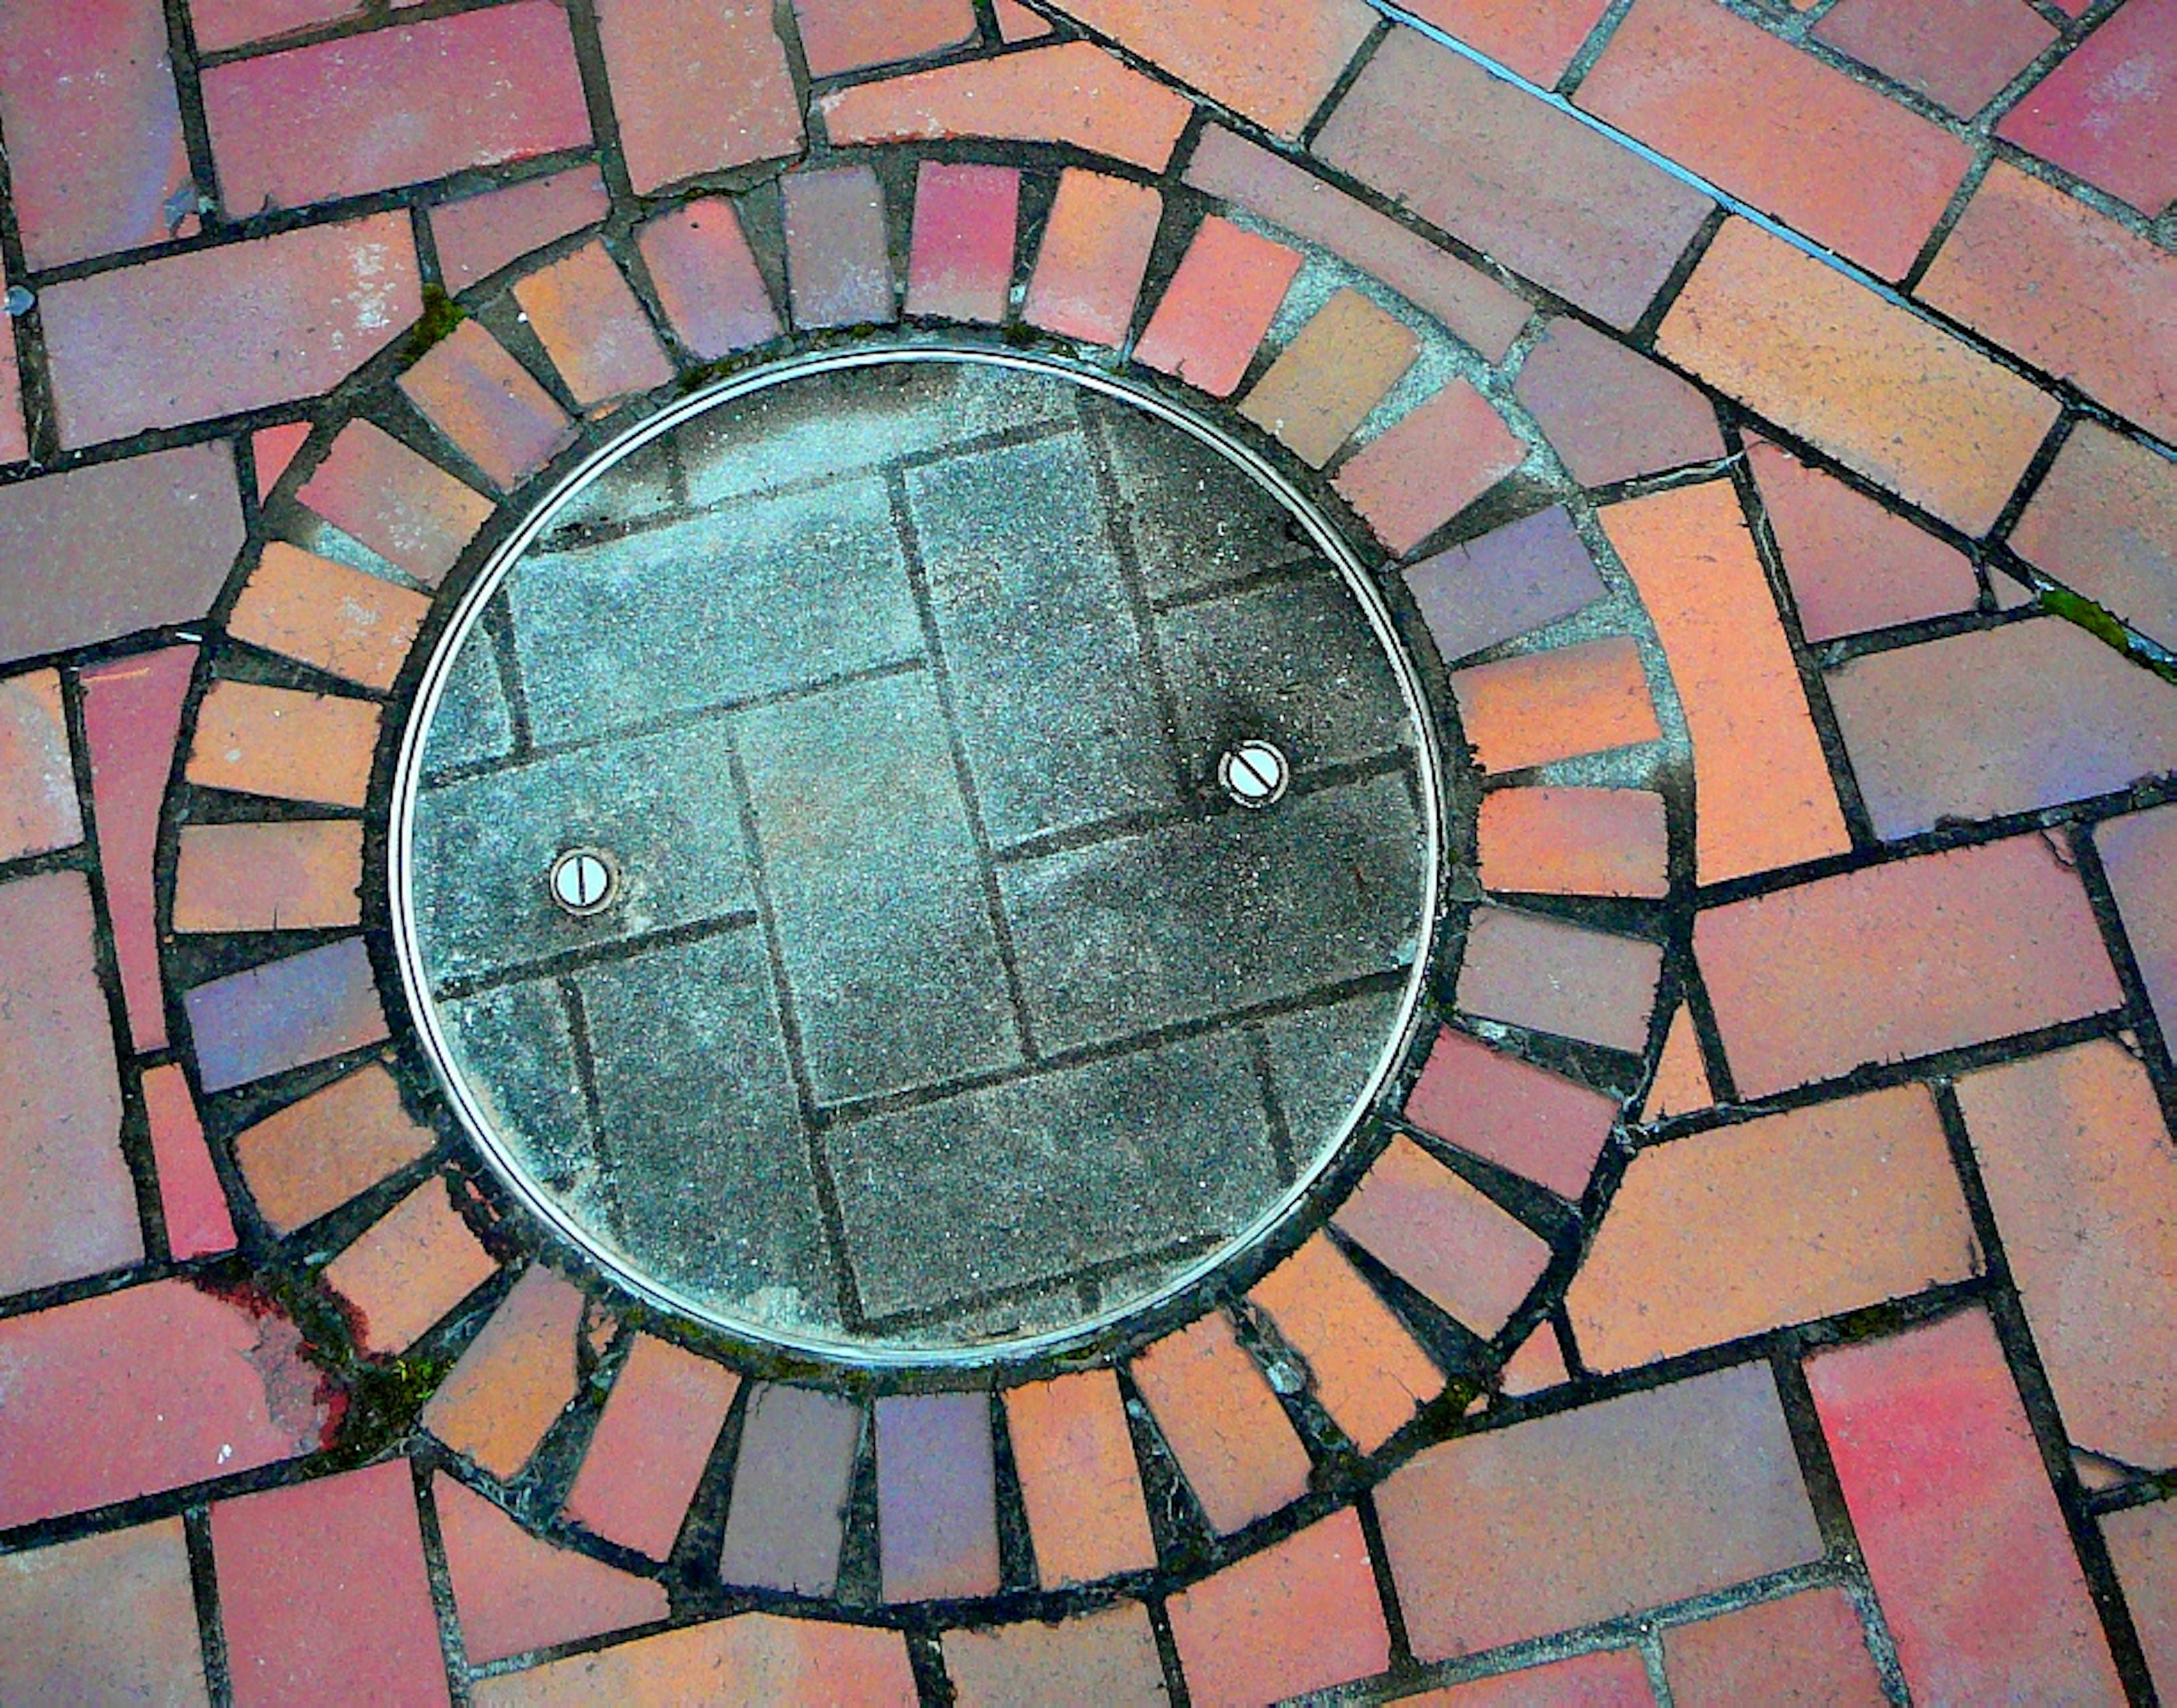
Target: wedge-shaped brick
1224	1426
514	1378
650	1445
1337	368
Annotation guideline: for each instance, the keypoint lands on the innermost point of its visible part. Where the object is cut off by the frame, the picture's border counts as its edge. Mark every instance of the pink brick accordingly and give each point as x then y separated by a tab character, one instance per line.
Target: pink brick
14	433
146	1389
1015	22
585	314
395	107
218	331
2109	112
1575	842
2142	1545
1526	969
2139	853
1493	1104
706	279
408	510
478	235
94	151
1959	1527
487	404
109	1617
936	1497
190	1196
2103	522
1434	462
838	267
1096	250
960	266
1214	313
650	1445
1961	54
698	85
224	23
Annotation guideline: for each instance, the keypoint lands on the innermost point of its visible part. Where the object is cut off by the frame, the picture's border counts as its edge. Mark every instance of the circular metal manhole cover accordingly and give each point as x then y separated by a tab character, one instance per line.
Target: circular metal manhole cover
917	854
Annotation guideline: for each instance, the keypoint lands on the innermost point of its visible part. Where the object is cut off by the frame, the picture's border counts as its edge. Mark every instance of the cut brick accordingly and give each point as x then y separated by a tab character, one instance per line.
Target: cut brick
1525	969
192	1203
1536	38
587	317
107	1619
1513	580
651	1446
1096	250
1086	1513
515	1378
1541	706
352	625
1015	22
1681	1085
1960	53
706	279
760	1657
937	1518
2142	1547
285	1013
299	875
1218	308
312	1156
1437	459
698	85
839	270
1612	414
1521	1117
1224	1426
1574	841
2105	113
1109	1658
408	1269
1808	1650
272	449
1336	368
410	511
1370	1375
966	220
478	235
796	1464
2139	853
2105	523
488	405
846	35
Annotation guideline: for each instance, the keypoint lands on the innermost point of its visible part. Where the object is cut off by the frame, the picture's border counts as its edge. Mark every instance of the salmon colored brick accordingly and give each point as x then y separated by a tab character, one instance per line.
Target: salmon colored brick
1434	461
1442	1237
478	235
1574	841
1541	706
846	35
1960	53
2104	113
2139	854
698	87
966	219
488	405
38	808
1493	1104
1336	368
1763	787
515	1378
410	512
592	328
2142	1547
192	1203
1681	1085
1530	970
1224	1425
2105	523
651	1446
1808	1650
1369	1373
1109	1658
1015	22
1218	308
1087	1516
106	1618
753	1658
2042	274
14	433
272	449
1960	1529
1607	1678
1069	92
1272	60
1536	38
300	875
308	1159
2080	1172
1608	412
1884	392
514	1592
706	279
408	1269
1830	157
1301	1616
838	260
1901	960
276	741
1096	250
349	624
1782	1220
1538	1366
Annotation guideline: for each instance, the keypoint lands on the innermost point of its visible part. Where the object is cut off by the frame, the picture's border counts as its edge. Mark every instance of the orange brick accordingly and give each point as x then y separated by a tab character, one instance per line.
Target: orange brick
847	34
38	808
1224	1426
1536	38
1218	307
296	875
349	624
514	1378
1109	1658
1681	1085
312	1156
1095	249
698	87
583	312
490	407
2142	1545
1764	792
1882	390
751	1658
1808	1650
408	1269
1370	1376
2103	521
1078	1479
1782	1220
1070	92
1574	841
651	1446
1273	61
1607	1678
290	745
1336	369
1542	707
1537	1366
1434	462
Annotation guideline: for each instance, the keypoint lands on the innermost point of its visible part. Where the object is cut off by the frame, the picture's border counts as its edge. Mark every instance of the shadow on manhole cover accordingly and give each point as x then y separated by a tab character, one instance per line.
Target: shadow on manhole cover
918	854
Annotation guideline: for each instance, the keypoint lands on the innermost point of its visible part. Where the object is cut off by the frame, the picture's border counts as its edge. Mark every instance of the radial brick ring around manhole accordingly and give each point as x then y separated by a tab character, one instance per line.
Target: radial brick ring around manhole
858	946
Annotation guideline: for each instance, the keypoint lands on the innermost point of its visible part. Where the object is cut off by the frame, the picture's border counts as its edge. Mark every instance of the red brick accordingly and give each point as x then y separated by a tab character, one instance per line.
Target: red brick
224	23
1216	311
1469	304
103	551
699	86
1607	1678
1956	1521
1890	396
756	1657
1273	61
1509	582
109	1618
792	1476
1223	1423
839	270
585	315
410	511
1337	368
1853	566
94	151
2106	113
217	331
271	449
1301	1616
1541	706
1612	414
936	1497
1436	460
2140	855
2080	1173
1901	960
1109	1658
313	1155
1442	1237
1830	157
356	626
489	406
515	1378
2104	522
478	235
1999	721
966	217
846	35
2143	1545
1781	1219
38	809
1595	1514
191	1199
1528	970
1369	1374
1095	249
1808	1650
1069	92
408	1269
1491	1105
515	1593
71	1199
1475	157
706	279
146	1389
1762	785
1536	38
1961	53
651	1446
1085	1513
1574	842
2066	289
322	1595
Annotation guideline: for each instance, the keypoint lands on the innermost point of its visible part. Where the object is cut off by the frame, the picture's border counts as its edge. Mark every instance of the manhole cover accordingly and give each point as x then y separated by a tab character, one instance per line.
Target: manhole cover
915	854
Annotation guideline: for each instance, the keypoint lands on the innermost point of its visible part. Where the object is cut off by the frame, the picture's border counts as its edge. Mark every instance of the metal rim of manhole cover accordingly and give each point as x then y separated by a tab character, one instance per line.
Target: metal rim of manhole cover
601	834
